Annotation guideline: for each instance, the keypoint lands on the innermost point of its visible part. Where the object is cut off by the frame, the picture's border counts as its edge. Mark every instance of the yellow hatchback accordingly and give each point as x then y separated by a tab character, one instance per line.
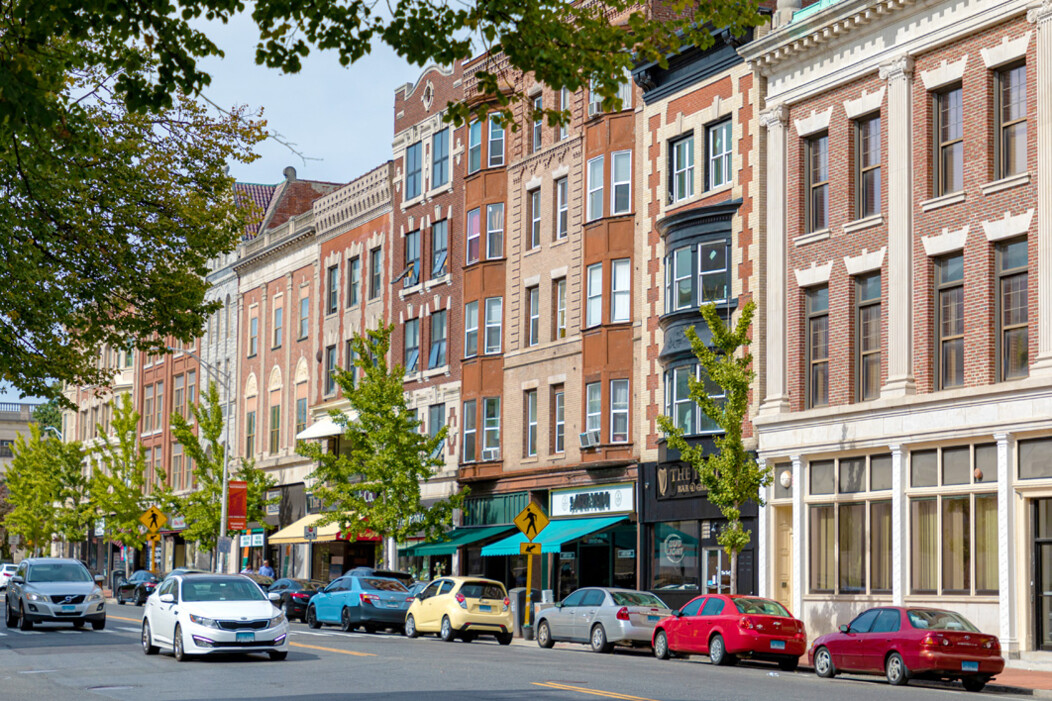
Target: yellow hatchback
461	607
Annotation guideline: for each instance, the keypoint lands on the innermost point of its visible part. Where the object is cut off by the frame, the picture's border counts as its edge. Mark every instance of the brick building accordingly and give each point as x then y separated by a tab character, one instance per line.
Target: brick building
909	311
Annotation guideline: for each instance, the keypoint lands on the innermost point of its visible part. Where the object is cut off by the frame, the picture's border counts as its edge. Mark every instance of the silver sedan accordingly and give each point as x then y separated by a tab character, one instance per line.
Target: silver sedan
602	617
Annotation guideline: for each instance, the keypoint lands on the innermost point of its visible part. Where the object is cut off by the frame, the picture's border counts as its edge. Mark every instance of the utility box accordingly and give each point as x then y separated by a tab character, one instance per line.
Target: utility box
518	605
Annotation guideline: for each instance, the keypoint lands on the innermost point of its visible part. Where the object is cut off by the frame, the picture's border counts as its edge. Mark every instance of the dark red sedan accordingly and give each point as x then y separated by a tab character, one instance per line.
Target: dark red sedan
910	643
727	628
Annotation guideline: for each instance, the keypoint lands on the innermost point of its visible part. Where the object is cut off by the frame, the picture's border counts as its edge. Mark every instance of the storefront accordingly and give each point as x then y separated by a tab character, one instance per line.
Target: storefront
288	504
430	560
327	555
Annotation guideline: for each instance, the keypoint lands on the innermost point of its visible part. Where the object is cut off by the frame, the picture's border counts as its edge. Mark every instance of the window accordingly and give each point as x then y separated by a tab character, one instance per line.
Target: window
1010	105
469	430
253	336
562	208
867	336
491	428
301	415
593	416
250	433
279	318
332	287
436	420
679	276
330	369
595	188
949	321
495	230
621	290
275	428
534	203
559	293
530	447
304	316
594	304
719	144
818	346
949	142
595	100
439	248
177	467
413	167
714	273
147	411
538	120
440	158
685	413
350	357
559	419
473	237
681	169
533	321
624	93
471	329
867	164
619	411
621	185
159	407
178	395
1012	311
191	393
412	344
437	356
474	147
496	143
816	201
354	279
375	273
564	105
412	258
494	321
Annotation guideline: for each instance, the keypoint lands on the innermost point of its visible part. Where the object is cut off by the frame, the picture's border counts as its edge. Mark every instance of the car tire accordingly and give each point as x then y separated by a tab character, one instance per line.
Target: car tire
120	598
718	651
896	671
148	647
974	683
10	619
177	645
599	641
447	633
312	619
140	599
504	638
410	627
661	650
789	665
824	666
277	655
346	624
98	625
544	635
23	621
369	628
468	637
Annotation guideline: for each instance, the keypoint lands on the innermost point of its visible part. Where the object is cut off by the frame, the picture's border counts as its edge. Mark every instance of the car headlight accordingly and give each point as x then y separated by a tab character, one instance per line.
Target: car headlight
96	596
277	620
33	596
202	621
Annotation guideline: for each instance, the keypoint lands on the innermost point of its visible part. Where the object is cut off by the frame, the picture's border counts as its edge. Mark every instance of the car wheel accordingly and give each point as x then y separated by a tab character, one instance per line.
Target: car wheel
147	639
789	665
277	655
718	651
10	619
98	625
544	635
410	627
119	598
369	628
23	622
140	599
599	642
468	637
974	683
896	671
504	638
346	624
446	632
288	610
177	645
661	646
312	619
824	666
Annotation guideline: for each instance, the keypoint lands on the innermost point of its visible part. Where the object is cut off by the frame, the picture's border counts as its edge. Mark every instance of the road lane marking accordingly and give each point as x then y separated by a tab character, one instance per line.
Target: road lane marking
37	671
119	618
332	649
592	692
128	629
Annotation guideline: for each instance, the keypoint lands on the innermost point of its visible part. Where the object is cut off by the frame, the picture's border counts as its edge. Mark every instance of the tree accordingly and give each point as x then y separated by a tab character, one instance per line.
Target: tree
202	507
5	509
730	474
48	415
373	482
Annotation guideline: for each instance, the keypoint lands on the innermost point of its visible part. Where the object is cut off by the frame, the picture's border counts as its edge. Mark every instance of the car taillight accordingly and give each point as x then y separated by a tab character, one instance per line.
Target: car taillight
746	623
934	641
370	599
507	603
622	613
992	644
462	601
299	595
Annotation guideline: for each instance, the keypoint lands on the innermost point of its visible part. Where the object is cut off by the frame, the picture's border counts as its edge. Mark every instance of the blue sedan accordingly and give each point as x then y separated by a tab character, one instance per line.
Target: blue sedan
360	602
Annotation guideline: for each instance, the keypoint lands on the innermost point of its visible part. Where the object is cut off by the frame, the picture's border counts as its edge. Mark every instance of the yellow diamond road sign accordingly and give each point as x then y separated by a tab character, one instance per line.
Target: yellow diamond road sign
529	548
531	521
153	519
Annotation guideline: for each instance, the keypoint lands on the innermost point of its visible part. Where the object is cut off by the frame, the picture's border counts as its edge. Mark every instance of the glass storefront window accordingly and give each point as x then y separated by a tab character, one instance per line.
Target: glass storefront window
674	555
717	571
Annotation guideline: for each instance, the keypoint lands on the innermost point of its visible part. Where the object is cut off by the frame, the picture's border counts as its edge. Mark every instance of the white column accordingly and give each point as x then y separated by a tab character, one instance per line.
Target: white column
899	546
799	541
775	120
899	74
1042	18
1006	572
763	541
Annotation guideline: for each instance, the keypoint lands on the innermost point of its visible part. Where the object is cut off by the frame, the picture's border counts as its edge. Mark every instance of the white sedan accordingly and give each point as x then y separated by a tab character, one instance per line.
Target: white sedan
201	614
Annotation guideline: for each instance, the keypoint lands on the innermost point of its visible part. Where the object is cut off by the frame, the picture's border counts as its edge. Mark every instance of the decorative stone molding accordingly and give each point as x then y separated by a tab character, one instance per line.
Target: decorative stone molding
865	262
946	242
815	275
302	372
275	379
1041	13
557	379
533	183
1008	226
777	115
901	67
559	272
530	384
818	121
1007	51
868	102
813	237
945	74
1006	183
532	281
864	223
943	201
560	172
251	388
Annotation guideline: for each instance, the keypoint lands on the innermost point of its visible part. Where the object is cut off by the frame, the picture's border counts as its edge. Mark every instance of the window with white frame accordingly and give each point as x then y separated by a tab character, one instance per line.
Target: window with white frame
333	289
621	183
538	122
491	428
440	158
471	329
593	417
534	200
594	303
530	436
595	100
474	235
624	93
494	321
719	154
562	208
533	322
304	317
412	259
354	279
564	105
279	326
619	402
595	188
559	293
413	170
620	290
412	344
681	169
679	406
437	356
474	147
714	271
494	231
470	432
439	247
253	336
559	420
496	143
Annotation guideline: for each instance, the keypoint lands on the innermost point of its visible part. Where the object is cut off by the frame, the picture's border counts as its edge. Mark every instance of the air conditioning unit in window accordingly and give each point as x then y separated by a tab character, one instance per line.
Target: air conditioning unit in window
491	454
589	439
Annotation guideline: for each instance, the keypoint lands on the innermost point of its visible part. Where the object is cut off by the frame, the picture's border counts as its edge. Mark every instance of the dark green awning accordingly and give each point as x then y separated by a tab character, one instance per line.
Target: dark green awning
455	539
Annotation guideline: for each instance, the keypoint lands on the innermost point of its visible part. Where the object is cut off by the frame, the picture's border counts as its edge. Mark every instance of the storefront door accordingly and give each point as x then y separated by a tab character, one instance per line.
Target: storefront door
783	543
1042	520
594	566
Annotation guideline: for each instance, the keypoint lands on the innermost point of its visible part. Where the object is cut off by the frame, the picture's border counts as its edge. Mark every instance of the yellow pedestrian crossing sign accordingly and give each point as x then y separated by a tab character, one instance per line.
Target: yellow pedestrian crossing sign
153	518
531	521
154	537
529	548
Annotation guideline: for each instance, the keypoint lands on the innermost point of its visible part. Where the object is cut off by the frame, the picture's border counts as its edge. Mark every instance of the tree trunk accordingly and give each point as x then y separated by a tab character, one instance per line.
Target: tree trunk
734	572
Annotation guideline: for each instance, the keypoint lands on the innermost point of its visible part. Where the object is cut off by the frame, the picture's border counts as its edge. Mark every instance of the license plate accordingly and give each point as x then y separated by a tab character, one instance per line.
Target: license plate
777	644
69	608
970	666
653	618
245	637
485	607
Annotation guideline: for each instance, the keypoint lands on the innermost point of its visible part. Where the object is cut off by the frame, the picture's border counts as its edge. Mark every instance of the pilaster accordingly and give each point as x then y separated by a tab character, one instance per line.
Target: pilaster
899	547
1041	16
762	540
799	537
1006	560
776	120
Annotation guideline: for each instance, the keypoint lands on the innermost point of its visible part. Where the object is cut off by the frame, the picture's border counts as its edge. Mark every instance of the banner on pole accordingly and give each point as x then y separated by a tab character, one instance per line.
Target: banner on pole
237	506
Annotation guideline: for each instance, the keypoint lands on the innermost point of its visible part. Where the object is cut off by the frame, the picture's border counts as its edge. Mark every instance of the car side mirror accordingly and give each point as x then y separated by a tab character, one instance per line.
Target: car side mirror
845	628
167	598
558	604
17	580
678	613
99	579
275	597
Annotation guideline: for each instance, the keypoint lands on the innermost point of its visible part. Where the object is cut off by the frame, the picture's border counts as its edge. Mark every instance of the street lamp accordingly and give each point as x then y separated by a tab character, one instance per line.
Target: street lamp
224	379
56	432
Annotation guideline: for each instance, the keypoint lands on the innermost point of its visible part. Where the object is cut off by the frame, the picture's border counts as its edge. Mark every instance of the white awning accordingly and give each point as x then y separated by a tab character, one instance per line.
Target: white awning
323	428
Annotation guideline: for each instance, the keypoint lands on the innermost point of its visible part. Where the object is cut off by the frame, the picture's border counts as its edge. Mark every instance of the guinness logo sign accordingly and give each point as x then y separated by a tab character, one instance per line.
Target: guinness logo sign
662	477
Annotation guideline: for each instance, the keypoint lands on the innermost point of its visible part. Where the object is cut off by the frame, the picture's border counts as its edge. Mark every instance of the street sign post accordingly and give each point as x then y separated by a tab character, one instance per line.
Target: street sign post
153	519
310	533
153	537
529	548
531	521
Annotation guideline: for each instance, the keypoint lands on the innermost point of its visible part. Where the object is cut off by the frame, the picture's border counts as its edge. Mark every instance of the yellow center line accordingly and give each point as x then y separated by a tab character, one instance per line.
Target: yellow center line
121	618
593	692
332	649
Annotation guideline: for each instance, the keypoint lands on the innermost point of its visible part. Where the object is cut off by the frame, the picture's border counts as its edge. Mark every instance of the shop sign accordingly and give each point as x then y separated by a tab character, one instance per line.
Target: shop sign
678	481
246	540
178	523
567	555
626	554
672	548
100	528
608	499
257	540
275	508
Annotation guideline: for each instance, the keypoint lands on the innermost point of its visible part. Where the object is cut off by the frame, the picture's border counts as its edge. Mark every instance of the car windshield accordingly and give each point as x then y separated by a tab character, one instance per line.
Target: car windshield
926	619
636	598
380	584
307	584
198	589
482	590
58	572
762	607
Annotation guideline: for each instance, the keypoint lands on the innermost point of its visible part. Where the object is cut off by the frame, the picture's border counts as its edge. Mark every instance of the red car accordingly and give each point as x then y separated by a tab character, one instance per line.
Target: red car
727	628
910	643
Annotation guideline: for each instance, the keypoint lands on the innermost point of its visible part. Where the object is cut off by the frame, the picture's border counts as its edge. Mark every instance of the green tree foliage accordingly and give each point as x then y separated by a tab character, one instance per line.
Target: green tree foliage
5	509
48	415
373	482
730	474
202	507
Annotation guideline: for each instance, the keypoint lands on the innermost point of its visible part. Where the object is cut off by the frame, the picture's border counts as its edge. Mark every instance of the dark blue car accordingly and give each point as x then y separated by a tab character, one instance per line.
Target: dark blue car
360	602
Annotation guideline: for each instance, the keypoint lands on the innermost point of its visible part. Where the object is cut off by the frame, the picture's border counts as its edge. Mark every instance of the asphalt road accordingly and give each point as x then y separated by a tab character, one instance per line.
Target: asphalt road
53	663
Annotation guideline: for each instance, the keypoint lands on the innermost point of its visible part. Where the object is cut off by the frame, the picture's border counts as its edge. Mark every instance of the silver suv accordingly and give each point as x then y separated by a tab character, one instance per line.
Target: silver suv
54	590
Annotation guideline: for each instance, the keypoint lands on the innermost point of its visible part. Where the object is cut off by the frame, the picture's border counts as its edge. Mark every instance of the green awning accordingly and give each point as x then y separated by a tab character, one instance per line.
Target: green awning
456	538
553	536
